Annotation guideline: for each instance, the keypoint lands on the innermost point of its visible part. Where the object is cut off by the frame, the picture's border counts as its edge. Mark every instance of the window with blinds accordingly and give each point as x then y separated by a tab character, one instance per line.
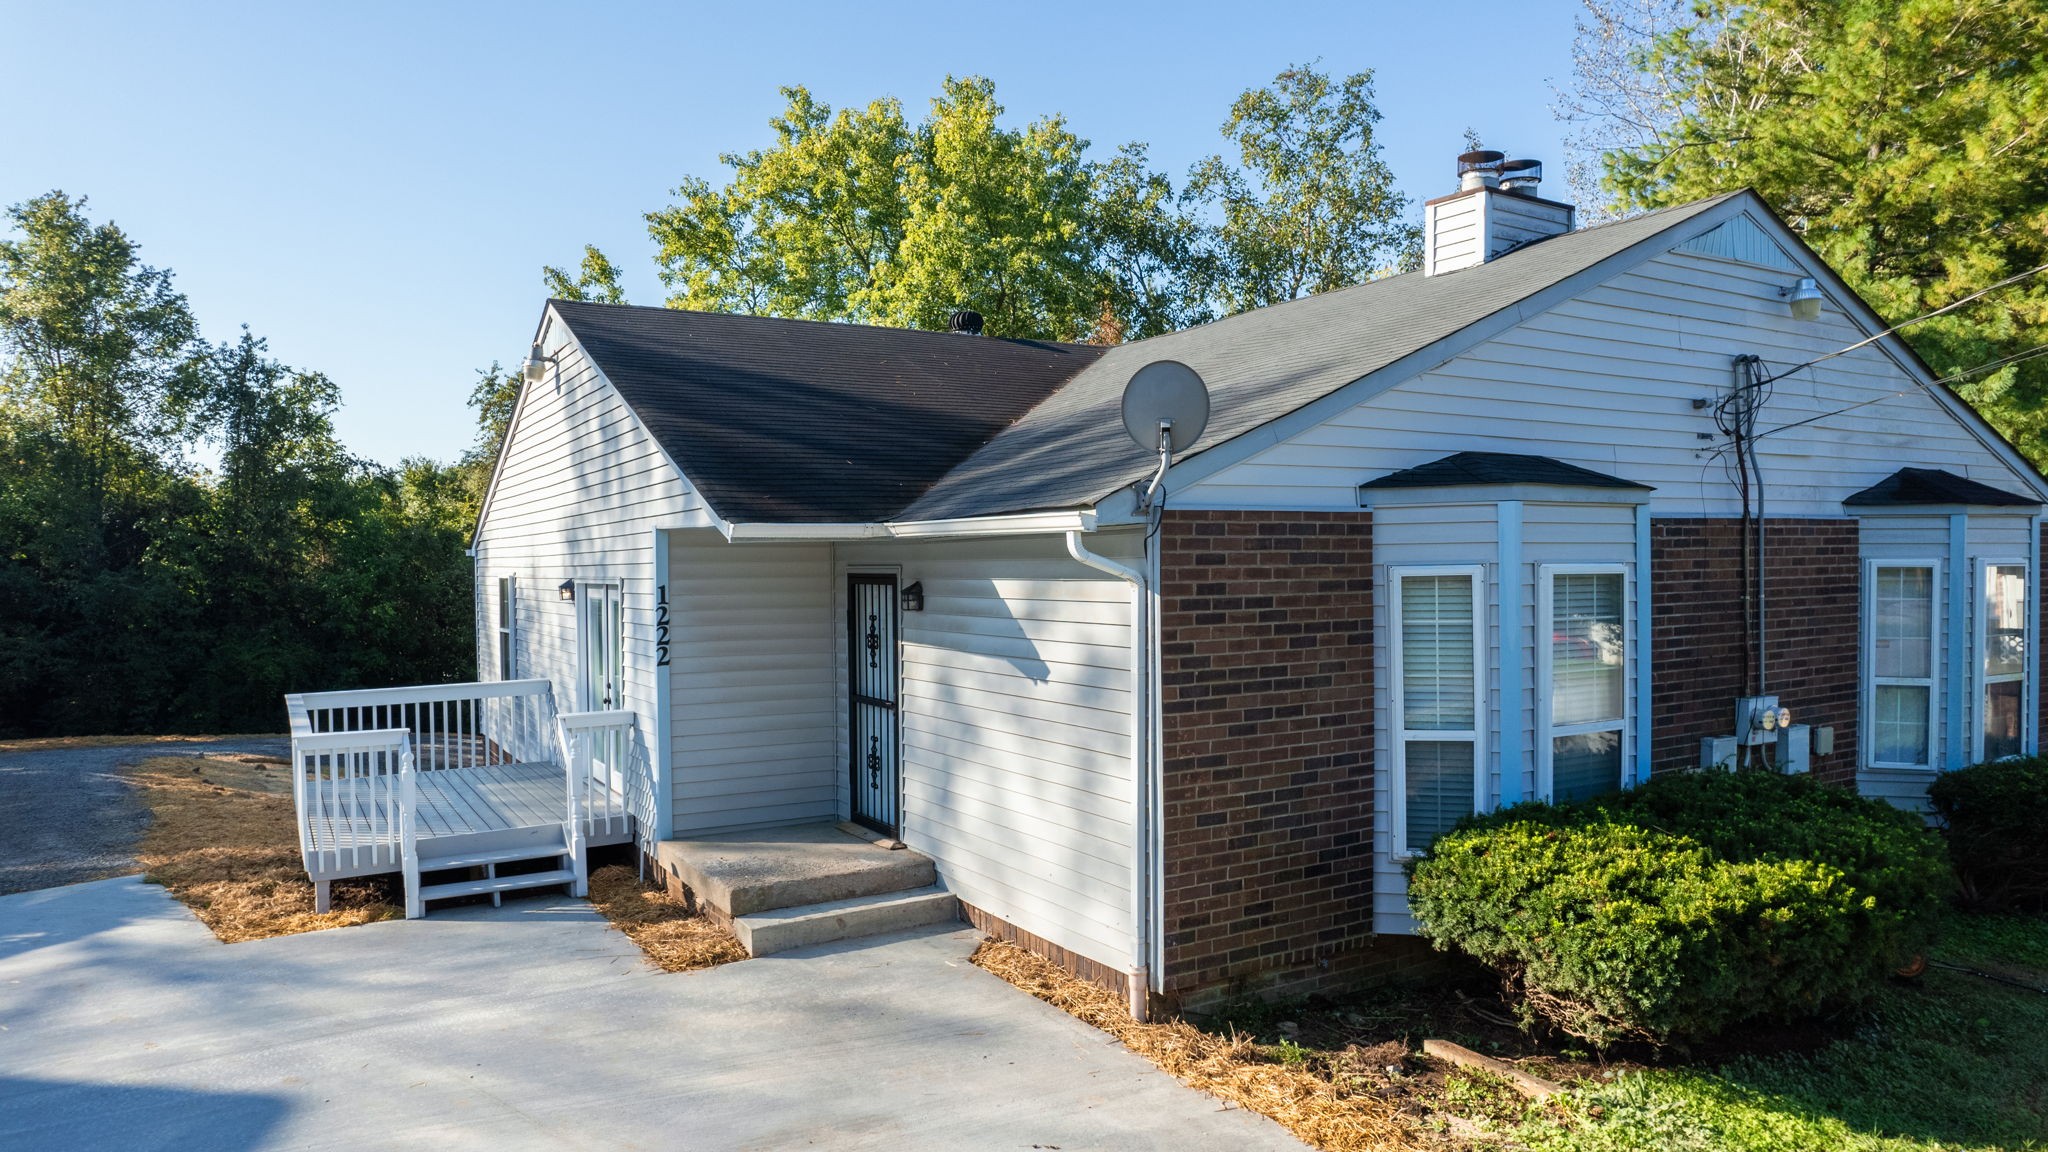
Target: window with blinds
2002	670
505	627
1584	664
1901	659
1439	700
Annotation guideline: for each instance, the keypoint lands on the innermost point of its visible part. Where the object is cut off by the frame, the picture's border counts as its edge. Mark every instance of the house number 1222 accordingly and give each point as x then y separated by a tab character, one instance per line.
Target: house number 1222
661	625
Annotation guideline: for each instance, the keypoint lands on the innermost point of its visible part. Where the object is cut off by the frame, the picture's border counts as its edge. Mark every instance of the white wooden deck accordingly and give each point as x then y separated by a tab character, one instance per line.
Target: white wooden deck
458	776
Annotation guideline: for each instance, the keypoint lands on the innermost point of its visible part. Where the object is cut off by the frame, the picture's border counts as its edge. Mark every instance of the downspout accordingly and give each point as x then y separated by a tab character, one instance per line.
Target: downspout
1139	980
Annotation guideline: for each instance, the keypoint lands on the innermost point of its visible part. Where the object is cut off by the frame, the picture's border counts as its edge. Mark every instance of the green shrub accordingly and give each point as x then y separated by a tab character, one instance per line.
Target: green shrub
1997	824
1687	905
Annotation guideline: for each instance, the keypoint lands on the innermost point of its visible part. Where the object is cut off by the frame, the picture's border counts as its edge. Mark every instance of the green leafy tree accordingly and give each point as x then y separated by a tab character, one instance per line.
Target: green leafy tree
1903	138
99	346
1310	205
595	281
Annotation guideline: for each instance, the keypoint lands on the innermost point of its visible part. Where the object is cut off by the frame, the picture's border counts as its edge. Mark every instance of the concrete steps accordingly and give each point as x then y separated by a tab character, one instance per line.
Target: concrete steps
783	888
766	933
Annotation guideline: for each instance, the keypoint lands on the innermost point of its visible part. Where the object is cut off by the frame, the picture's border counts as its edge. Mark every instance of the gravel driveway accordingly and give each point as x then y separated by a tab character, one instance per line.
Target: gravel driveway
66	814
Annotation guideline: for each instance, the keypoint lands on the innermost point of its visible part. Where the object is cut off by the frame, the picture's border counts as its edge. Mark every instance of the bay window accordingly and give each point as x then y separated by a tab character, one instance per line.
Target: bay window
1439	700
1582	681
2002	661
1903	640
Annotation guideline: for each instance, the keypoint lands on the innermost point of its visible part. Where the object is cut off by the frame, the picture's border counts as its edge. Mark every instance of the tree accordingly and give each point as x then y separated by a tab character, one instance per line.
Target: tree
1310	206
99	345
596	280
1902	138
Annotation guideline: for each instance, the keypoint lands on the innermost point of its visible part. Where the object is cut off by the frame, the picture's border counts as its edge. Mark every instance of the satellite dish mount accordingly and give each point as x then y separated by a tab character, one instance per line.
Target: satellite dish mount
1166	409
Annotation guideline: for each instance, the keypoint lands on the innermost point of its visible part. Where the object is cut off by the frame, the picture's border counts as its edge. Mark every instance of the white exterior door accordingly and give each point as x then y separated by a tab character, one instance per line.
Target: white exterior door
602	637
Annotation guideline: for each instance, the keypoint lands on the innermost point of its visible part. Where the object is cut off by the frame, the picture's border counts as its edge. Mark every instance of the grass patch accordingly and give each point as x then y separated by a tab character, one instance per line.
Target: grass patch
674	938
55	743
1334	1102
1950	1062
224	840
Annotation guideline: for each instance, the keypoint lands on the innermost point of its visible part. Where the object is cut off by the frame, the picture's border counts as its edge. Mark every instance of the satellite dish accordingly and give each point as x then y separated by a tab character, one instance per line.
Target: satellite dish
1166	396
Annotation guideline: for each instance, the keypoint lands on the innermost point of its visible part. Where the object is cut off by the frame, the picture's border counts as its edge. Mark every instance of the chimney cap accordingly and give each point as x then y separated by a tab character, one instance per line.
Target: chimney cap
1479	158
966	321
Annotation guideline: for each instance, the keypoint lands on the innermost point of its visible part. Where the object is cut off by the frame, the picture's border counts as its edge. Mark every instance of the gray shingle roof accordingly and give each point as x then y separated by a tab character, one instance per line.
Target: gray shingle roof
1071	450
790	421
794	421
1911	486
1463	468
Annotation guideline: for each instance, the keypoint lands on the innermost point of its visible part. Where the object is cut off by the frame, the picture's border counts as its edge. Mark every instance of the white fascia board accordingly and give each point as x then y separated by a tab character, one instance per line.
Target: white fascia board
1022	524
1858	511
1026	524
1249	443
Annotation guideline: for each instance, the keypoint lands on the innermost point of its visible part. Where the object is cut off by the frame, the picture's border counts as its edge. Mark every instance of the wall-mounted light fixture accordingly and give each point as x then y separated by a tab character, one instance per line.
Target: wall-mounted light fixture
1804	297
913	597
567	590
536	366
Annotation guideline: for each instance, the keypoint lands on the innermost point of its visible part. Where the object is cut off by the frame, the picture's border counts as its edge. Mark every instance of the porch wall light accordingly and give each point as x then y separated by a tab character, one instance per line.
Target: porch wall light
1804	297
913	597
568	590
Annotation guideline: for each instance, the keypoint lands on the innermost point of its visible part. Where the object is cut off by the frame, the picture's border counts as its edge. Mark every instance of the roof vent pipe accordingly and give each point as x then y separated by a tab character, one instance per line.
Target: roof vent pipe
1521	176
966	322
1479	168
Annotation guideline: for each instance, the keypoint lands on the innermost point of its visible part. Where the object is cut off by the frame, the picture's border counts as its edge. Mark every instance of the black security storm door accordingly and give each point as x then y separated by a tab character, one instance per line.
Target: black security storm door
872	684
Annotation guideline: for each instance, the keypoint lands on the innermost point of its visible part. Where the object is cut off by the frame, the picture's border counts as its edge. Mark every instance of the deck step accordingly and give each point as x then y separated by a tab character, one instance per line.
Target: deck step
496	884
766	933
499	856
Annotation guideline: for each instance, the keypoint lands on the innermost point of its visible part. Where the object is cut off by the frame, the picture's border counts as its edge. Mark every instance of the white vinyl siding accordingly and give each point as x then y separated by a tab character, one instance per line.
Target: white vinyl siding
1903	663
1016	719
577	495
1438	639
1607	379
1582	661
2003	607
752	701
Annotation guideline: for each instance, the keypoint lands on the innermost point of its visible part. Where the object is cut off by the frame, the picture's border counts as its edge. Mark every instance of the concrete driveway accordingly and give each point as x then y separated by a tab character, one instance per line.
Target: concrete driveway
124	1024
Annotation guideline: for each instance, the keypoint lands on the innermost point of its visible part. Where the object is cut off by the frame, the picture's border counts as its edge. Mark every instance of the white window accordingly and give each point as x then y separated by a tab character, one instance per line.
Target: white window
1904	637
2002	660
1439	700
1582	681
505	618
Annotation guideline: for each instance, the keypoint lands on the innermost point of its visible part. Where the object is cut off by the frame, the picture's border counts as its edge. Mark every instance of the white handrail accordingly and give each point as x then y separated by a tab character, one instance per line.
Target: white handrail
352	783
577	734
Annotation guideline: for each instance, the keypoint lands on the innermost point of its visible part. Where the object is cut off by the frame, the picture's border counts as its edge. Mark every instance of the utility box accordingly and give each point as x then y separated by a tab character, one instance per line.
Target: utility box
1717	753
1794	745
1824	740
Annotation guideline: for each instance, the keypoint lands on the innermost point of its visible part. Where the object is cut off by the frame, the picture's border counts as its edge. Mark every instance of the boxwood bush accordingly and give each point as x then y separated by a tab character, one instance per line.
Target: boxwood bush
1996	818
1691	903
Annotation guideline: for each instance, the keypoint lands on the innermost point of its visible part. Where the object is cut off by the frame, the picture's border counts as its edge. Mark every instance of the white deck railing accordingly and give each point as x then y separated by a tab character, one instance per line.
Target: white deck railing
357	757
596	751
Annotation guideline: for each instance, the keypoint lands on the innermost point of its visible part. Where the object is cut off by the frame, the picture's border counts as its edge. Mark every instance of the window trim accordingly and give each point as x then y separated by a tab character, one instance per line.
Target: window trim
1546	732
1938	657
1396	695
1980	626
507	626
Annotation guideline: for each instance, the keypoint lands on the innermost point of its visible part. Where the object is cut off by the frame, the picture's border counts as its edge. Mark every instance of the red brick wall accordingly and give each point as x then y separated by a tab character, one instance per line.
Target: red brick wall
1813	594
1266	691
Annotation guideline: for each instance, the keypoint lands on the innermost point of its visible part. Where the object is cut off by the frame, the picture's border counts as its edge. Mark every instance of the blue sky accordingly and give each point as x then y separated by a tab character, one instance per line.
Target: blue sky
374	187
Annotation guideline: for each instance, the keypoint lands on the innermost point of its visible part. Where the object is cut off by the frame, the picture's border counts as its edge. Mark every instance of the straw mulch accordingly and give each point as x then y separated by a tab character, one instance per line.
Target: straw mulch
223	839
673	937
1307	1101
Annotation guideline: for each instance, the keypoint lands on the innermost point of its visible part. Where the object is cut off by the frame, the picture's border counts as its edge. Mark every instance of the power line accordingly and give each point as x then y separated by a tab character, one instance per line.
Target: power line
1949	307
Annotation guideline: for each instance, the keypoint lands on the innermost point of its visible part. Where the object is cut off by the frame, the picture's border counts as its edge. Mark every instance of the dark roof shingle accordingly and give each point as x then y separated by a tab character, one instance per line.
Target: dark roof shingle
796	421
1911	486
1465	468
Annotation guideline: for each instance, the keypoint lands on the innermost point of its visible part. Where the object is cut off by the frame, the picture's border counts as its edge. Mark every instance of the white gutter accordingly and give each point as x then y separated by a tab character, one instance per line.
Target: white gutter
1141	726
1024	524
